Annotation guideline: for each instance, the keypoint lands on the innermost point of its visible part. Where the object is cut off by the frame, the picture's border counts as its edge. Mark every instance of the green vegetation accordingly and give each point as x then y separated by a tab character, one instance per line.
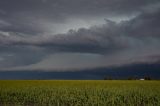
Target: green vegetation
79	93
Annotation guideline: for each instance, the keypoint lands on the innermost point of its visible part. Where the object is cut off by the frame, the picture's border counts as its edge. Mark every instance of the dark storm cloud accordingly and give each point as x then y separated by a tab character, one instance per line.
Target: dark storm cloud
71	7
146	25
110	37
31	16
19	55
130	33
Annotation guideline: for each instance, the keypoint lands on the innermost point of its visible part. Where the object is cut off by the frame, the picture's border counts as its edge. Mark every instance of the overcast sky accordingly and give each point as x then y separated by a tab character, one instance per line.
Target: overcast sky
60	35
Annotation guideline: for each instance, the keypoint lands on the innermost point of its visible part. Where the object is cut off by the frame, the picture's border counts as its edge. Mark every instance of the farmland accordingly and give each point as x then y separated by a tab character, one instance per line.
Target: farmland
79	93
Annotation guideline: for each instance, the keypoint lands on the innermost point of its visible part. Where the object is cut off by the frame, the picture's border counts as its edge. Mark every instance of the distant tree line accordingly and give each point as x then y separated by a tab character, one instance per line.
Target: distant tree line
129	78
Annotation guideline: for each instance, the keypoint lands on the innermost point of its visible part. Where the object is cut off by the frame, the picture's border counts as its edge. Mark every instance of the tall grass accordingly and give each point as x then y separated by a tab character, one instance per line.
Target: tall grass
79	93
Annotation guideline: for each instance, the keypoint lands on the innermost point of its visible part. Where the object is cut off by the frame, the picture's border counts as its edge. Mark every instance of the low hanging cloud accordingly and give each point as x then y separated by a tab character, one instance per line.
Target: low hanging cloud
112	44
140	31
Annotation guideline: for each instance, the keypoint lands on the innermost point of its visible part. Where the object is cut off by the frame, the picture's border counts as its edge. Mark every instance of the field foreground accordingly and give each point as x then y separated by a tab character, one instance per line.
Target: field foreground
79	93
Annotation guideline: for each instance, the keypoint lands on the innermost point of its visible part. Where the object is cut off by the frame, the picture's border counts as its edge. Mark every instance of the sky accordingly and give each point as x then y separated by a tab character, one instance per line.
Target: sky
75	35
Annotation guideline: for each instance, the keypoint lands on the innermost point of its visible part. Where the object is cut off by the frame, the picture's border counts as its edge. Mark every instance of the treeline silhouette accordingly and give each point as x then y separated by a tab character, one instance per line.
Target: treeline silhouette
129	78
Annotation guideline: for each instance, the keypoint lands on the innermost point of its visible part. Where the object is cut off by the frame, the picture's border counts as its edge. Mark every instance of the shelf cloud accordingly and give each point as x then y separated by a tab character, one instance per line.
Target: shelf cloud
60	35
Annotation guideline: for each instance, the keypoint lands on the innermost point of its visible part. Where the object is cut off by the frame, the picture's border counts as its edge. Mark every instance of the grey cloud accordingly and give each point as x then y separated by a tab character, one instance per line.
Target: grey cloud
24	32
145	25
79	61
4	23
2	12
63	7
108	38
20	56
33	16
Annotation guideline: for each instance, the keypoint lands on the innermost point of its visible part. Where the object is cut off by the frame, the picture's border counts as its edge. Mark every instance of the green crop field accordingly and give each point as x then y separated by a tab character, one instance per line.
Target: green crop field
79	93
